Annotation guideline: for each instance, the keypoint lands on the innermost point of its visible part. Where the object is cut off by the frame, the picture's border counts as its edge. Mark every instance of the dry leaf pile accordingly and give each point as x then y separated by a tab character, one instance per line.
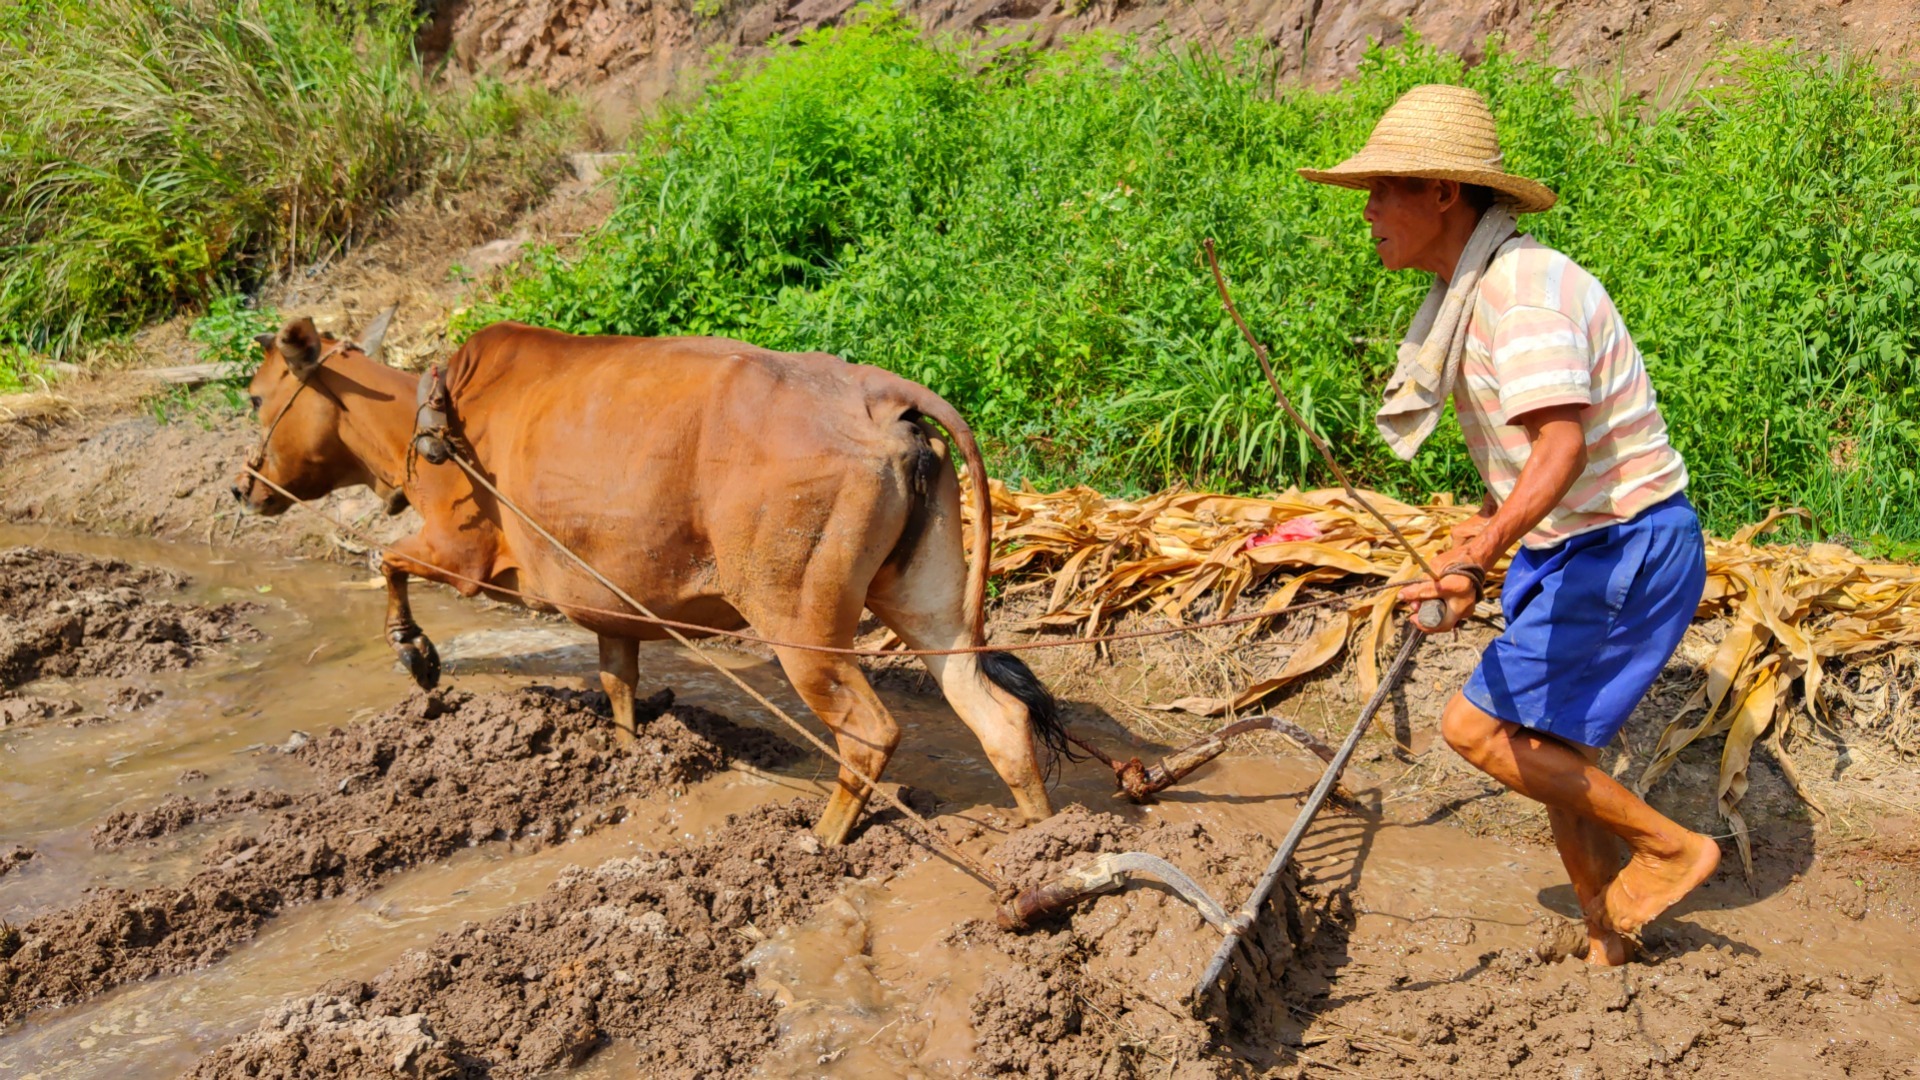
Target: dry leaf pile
1184	555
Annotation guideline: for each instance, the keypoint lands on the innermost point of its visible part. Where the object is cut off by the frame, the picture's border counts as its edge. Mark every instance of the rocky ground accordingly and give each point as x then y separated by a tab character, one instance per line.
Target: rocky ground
630	53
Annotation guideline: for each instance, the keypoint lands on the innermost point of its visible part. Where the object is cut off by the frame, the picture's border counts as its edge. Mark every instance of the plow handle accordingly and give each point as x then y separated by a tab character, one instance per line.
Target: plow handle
1432	613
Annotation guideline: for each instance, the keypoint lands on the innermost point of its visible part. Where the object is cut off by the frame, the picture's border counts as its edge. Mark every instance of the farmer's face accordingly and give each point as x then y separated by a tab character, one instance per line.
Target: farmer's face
1406	218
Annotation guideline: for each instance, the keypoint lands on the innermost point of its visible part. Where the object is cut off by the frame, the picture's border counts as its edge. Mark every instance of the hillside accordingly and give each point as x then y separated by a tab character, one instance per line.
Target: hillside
631	52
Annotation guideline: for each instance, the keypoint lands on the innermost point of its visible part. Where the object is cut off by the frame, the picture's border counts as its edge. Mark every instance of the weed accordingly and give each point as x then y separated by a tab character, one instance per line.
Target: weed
151	150
226	335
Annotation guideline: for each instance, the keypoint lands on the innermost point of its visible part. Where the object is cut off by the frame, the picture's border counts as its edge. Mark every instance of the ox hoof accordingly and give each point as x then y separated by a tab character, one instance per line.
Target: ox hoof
421	658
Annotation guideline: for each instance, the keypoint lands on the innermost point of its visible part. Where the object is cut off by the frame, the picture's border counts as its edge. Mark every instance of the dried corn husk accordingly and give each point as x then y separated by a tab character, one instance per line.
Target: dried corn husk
1791	608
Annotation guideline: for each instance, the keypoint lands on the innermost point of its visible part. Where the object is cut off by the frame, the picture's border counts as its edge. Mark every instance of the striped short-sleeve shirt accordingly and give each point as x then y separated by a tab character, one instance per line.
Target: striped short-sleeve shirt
1544	332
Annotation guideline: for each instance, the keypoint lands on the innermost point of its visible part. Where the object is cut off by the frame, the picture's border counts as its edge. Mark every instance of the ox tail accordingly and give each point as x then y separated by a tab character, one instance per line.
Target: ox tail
1010	673
980	543
1004	670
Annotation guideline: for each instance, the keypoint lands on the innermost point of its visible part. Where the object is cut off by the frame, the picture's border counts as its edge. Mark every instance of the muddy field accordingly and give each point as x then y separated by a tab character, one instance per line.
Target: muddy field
297	867
236	843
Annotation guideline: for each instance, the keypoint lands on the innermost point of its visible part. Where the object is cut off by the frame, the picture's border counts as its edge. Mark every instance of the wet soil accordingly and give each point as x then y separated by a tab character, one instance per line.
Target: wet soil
416	783
647	949
1101	994
72	616
1713	1011
328	877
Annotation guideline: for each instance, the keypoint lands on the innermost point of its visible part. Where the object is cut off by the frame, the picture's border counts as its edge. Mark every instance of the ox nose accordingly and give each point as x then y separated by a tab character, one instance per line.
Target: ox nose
239	493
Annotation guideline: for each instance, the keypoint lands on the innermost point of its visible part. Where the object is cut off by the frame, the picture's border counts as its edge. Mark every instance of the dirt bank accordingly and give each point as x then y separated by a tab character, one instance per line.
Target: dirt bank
644	949
629	53
416	783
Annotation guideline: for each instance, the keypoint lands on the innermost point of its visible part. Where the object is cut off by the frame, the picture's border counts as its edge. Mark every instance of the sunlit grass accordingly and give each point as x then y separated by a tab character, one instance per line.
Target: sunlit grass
1020	230
155	153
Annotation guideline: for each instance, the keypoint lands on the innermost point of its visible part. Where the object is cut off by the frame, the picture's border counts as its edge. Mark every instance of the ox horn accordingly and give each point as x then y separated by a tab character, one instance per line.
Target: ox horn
299	345
376	332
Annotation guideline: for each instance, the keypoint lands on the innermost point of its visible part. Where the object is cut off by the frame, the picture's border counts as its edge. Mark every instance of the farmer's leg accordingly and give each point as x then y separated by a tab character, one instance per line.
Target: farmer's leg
1592	858
1667	861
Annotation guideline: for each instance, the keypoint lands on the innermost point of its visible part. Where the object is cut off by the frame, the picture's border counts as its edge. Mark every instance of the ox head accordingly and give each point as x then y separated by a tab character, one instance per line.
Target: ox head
301	447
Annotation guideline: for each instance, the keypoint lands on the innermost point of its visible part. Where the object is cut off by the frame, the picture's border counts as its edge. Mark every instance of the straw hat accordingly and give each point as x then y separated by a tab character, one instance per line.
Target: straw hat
1441	133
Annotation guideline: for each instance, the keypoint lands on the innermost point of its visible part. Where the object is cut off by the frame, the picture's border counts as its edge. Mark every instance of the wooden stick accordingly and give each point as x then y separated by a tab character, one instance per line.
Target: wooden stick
1320	444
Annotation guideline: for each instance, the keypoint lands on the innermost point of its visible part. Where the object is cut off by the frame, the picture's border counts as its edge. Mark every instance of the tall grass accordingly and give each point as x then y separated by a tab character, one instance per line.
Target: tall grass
1020	230
155	152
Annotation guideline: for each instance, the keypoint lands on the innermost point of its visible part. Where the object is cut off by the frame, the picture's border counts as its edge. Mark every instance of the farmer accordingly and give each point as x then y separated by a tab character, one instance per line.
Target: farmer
1561	422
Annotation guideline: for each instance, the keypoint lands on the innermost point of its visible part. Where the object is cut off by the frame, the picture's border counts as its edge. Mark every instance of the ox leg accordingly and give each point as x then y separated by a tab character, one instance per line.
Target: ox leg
619	671
837	691
923	599
408	640
995	718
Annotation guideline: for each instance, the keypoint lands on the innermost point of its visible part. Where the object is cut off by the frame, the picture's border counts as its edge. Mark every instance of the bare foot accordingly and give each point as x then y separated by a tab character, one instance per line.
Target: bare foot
1646	886
1607	949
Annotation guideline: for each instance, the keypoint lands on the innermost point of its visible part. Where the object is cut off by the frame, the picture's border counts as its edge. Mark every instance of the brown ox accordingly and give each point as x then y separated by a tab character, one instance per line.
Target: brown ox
717	483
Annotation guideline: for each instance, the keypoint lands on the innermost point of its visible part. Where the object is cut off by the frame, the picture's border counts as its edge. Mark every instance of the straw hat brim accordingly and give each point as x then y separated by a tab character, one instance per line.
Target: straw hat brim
1528	196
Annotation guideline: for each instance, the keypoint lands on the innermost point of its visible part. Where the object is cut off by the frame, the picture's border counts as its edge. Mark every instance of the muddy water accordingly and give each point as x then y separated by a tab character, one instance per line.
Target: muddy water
322	663
870	985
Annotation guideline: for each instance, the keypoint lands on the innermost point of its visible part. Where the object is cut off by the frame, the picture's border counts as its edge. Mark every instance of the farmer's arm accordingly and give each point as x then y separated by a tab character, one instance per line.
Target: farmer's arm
1558	457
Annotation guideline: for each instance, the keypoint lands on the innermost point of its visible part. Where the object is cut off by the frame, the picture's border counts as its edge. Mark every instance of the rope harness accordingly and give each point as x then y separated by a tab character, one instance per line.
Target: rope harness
437	439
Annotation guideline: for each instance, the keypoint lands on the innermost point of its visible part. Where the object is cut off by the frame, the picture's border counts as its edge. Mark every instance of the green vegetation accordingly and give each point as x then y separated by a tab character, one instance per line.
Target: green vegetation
1020	231
156	153
224	334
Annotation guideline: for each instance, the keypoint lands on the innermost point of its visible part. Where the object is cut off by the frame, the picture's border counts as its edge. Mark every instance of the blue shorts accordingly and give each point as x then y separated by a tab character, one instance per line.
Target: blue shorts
1590	624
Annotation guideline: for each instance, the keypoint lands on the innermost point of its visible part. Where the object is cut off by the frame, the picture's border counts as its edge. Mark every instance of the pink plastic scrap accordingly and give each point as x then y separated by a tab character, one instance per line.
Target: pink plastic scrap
1292	529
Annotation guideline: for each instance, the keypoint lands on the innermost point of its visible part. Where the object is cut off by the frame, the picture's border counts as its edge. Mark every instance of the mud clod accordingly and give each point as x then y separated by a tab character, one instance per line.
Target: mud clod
647	949
536	766
28	711
14	858
72	616
1070	1004
132	699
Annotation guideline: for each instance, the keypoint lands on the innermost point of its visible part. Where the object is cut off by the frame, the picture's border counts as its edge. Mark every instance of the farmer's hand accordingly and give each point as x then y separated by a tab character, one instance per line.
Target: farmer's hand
1469	530
1455	590
1464	533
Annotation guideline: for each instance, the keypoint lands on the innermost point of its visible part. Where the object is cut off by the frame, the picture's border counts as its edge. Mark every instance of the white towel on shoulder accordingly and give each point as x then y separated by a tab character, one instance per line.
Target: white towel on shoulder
1417	393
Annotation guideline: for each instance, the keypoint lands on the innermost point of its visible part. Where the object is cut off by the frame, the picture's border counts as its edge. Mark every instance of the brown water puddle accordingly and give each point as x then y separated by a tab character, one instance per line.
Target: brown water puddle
872	986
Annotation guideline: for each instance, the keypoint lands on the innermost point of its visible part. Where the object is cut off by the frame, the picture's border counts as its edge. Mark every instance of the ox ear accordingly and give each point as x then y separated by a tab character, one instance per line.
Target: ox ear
299	343
265	341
